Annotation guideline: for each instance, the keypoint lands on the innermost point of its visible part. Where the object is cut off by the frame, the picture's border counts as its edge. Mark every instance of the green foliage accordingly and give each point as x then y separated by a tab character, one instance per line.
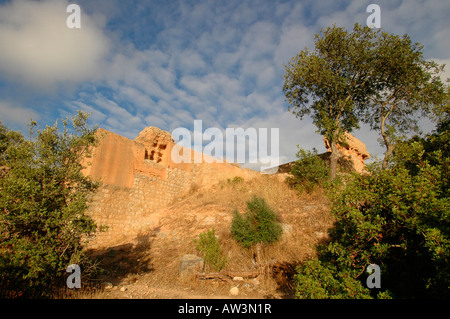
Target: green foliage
332	82
332	77
235	180
309	171
42	202
209	245
258	225
364	75
408	86
397	218
318	280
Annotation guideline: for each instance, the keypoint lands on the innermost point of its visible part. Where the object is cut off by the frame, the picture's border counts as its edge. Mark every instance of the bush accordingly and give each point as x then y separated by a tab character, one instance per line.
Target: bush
397	218
42	202
319	280
309	171
209	245
235	180
258	225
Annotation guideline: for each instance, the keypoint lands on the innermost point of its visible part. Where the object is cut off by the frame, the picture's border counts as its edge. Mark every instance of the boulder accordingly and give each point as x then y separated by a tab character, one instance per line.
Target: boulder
353	150
234	291
107	285
287	230
189	264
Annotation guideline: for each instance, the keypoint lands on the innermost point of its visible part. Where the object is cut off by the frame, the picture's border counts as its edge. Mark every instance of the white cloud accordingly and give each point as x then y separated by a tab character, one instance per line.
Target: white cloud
198	86
190	61
96	116
111	116
446	74
293	39
259	40
39	49
16	115
156	121
221	63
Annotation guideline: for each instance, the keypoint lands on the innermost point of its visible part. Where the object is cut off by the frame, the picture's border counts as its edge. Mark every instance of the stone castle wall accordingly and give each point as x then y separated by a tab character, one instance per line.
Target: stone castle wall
139	177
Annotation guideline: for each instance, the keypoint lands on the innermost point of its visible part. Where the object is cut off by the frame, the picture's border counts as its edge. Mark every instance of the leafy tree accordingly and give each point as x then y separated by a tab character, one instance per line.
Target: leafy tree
369	75
43	198
397	218
336	78
407	86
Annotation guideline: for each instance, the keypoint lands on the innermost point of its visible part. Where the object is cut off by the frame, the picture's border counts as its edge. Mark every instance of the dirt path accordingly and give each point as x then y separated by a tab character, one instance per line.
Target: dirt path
144	292
144	287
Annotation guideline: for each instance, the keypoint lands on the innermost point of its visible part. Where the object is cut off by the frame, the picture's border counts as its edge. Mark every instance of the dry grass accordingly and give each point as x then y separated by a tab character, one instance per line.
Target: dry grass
306	218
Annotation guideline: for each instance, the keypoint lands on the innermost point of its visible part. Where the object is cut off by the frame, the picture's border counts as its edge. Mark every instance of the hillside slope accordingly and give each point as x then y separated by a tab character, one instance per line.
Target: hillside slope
147	265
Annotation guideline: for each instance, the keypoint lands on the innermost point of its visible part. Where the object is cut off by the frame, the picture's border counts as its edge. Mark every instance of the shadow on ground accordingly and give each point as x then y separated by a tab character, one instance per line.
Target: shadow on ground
119	262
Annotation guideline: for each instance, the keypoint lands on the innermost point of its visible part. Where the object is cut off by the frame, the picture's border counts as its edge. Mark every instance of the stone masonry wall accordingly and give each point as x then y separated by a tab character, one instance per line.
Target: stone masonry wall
139	178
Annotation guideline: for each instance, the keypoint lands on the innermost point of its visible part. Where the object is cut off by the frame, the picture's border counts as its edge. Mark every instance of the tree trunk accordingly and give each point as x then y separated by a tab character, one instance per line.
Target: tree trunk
334	159
257	255
389	146
389	151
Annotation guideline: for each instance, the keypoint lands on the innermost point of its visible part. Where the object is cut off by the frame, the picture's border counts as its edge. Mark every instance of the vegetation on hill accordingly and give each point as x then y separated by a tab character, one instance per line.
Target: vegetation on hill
397	215
308	172
209	245
258	225
397	218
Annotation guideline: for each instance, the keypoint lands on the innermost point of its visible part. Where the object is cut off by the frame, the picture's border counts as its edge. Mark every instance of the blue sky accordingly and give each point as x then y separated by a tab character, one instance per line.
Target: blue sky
135	64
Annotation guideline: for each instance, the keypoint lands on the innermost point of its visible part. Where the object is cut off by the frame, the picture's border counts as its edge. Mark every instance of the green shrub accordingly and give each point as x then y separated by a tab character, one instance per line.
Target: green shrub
235	180
309	171
258	225
43	198
209	245
397	218
318	280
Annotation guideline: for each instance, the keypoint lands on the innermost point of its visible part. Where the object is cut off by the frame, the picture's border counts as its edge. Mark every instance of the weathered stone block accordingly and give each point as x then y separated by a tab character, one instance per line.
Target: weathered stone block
189	264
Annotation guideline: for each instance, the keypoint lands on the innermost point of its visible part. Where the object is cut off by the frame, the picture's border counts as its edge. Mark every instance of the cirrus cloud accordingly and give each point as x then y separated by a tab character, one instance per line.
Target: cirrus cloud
139	63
